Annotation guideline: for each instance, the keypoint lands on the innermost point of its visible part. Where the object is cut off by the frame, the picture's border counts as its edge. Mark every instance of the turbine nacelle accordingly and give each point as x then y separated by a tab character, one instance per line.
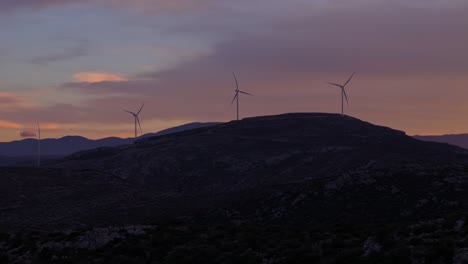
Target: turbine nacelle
236	95
343	91
137	119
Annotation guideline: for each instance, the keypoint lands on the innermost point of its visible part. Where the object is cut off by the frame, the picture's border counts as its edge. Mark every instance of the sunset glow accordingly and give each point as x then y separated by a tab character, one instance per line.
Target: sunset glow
178	57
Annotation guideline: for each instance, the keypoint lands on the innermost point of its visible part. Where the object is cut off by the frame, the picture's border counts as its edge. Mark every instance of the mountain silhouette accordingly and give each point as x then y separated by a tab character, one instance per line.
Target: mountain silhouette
70	144
460	140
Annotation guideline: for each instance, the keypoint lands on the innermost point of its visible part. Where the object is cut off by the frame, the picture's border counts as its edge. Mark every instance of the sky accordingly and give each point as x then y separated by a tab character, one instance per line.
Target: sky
74	65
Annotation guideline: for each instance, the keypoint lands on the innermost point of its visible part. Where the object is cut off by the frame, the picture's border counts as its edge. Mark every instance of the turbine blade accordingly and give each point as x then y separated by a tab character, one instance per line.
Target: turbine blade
345	96
138	120
130	112
143	104
245	93
235	78
349	79
335	84
235	96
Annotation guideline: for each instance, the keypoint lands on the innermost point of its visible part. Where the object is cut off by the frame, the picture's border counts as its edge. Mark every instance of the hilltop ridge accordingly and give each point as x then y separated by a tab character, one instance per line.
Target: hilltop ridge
260	150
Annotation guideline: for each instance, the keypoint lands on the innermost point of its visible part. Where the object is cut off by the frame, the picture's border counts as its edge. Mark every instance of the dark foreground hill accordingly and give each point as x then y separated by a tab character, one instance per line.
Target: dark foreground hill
259	152
293	188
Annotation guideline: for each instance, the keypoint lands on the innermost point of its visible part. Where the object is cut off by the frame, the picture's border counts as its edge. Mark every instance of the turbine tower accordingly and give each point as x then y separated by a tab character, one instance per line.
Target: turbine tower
137	120
236	96
343	92
38	145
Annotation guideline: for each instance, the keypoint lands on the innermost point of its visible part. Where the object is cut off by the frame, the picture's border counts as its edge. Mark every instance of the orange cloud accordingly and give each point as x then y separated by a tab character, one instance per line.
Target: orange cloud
16	99
50	126
8	98
94	77
9	124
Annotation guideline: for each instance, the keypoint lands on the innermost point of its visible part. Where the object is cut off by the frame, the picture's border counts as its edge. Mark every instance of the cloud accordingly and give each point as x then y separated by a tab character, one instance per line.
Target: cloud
9	124
28	134
69	54
286	59
144	5
97	77
11	100
8	99
7	6
161	5
349	39
294	56
128	87
50	126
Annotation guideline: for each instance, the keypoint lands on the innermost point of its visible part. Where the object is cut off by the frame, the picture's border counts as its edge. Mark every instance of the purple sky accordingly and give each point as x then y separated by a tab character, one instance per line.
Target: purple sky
74	65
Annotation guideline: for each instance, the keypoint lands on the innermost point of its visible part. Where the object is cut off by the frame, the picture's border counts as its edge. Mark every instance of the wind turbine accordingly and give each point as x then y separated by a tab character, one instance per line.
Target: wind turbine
343	92
38	145
137	120
236	96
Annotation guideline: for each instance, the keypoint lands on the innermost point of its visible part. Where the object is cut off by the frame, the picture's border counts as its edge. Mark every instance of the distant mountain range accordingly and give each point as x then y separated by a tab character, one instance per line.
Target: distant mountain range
71	144
460	140
26	149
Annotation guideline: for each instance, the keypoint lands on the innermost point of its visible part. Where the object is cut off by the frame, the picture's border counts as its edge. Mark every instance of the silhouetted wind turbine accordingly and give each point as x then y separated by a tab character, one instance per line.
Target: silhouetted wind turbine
236	96
343	92
137	120
38	145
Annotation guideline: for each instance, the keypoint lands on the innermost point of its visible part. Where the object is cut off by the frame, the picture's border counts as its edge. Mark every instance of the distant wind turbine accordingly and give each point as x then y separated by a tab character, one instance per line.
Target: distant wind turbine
137	120
236	96
38	145
343	92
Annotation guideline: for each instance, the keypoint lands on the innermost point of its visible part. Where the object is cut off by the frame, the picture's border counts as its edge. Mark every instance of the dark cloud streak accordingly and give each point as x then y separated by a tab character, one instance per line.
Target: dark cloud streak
11	5
75	52
28	134
161	6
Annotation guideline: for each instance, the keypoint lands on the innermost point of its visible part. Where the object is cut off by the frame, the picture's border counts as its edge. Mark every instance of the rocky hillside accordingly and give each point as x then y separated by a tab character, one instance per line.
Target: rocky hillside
260	151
